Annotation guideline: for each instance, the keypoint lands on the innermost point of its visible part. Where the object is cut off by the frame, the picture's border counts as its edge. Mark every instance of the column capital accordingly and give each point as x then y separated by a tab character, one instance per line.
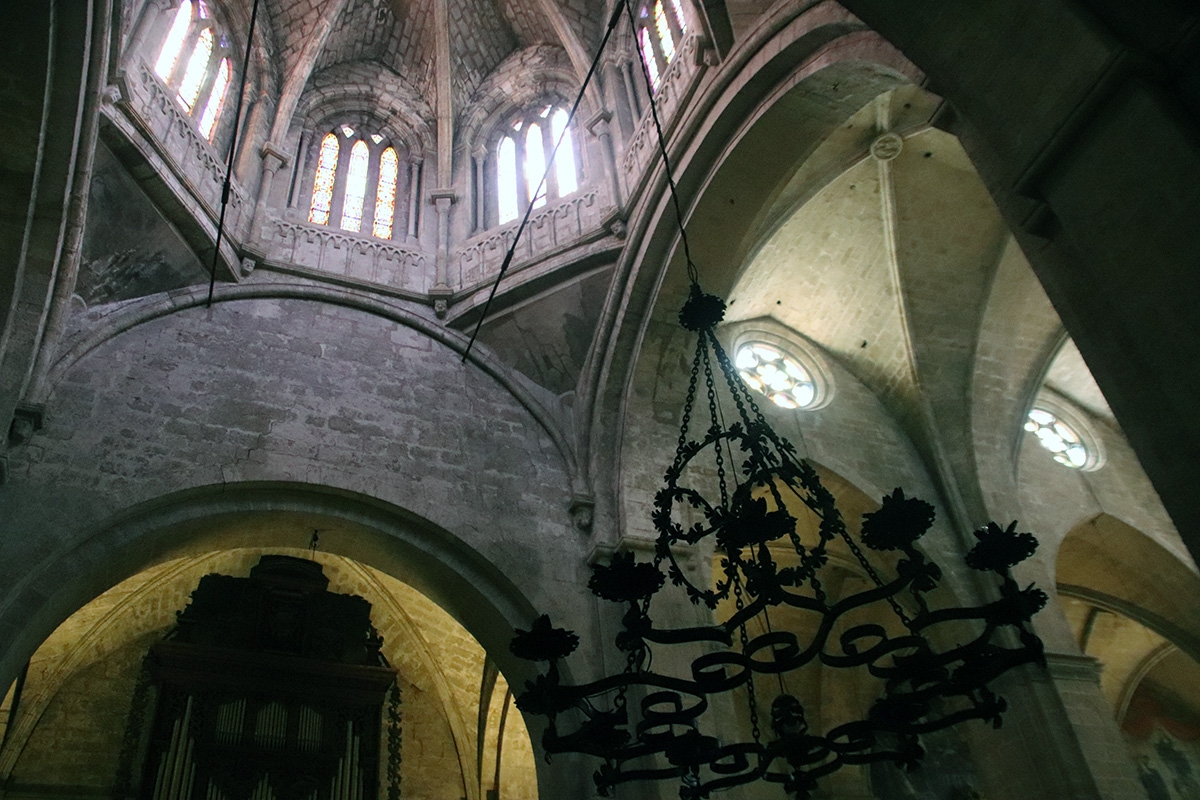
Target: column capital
598	124
272	151
442	199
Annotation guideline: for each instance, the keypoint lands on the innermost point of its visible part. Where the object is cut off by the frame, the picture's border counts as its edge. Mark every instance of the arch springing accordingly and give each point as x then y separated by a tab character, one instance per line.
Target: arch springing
194	60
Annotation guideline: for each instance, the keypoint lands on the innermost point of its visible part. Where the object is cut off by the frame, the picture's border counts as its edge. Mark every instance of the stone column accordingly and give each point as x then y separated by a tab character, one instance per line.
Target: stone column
478	159
154	15
442	199
414	197
599	126
300	167
272	160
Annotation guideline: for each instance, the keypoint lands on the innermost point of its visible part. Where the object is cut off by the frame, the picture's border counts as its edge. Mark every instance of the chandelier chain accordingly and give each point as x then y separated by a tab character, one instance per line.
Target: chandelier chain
693	275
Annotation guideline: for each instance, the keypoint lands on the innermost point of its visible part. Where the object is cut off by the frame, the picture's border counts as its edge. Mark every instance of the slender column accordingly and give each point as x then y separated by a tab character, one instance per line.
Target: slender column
599	126
414	197
633	88
443	199
299	168
273	159
369	194
247	137
154	13
478	159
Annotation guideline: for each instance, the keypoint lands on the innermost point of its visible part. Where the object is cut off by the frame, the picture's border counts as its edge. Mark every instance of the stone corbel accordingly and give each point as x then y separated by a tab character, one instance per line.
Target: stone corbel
117	92
27	420
439	297
583	507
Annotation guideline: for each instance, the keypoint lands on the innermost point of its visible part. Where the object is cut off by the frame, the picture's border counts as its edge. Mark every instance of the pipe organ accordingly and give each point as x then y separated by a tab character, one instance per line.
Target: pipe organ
270	688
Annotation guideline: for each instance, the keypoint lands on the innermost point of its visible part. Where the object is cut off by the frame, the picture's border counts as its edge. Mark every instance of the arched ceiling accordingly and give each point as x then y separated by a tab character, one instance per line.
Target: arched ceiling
887	264
421	40
426	645
1070	377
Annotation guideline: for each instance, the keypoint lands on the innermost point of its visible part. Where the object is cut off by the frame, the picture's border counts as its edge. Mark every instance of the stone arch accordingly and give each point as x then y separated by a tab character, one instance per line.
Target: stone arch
358	533
159	306
524	78
714	141
373	89
1109	563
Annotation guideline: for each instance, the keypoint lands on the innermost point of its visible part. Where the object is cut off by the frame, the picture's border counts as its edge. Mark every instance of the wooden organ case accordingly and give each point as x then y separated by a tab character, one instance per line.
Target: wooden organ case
270	688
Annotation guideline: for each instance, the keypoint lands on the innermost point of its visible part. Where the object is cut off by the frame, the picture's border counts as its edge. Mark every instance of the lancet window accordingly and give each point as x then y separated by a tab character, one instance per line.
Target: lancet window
522	154
354	183
661	28
194	61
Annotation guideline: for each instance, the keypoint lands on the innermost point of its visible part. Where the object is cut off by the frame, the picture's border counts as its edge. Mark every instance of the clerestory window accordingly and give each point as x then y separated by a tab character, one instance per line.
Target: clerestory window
661	28
195	62
522	154
354	186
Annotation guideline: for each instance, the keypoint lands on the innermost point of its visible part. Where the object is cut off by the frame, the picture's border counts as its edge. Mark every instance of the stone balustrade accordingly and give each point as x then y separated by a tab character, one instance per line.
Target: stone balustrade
549	231
349	255
674	88
192	158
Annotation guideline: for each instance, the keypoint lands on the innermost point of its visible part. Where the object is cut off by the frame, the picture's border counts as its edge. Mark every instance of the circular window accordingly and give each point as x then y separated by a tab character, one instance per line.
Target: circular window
767	369
1062	440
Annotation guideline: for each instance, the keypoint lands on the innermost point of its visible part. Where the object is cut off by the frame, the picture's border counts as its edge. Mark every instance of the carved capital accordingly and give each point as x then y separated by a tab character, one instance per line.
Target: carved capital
598	124
270	152
442	199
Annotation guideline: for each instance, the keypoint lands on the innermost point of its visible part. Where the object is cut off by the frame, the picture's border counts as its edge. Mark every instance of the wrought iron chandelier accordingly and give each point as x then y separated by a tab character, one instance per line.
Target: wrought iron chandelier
737	489
739	482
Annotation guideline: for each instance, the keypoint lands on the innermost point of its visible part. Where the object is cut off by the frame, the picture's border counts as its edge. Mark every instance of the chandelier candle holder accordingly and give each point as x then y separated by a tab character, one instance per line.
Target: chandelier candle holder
729	487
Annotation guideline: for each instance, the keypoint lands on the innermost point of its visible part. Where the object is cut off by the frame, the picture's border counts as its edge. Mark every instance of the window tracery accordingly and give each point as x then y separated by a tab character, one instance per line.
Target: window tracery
1064	441
195	61
661	27
521	156
355	181
770	371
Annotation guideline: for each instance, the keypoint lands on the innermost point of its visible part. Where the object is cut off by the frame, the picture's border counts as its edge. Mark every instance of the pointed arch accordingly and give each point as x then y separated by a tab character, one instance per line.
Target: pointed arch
322	199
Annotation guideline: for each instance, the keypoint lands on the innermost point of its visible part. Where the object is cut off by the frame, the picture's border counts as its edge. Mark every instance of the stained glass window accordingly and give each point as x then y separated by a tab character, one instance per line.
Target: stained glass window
535	164
385	194
1058	437
356	186
506	179
216	98
197	68
564	159
677	7
663	28
174	42
768	370
322	198
648	60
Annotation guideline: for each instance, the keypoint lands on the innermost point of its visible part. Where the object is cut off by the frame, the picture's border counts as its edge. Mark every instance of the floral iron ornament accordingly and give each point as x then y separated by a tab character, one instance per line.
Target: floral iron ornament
740	508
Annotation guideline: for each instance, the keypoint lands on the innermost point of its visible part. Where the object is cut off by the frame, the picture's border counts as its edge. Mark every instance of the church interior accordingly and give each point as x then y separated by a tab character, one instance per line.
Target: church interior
341	338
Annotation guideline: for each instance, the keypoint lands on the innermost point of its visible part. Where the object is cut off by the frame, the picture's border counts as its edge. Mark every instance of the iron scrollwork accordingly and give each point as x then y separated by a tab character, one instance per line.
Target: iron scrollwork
744	485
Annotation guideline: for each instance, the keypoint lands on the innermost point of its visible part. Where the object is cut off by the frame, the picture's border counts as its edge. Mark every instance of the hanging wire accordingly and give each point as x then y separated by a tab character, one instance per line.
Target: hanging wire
693	275
225	187
512	248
